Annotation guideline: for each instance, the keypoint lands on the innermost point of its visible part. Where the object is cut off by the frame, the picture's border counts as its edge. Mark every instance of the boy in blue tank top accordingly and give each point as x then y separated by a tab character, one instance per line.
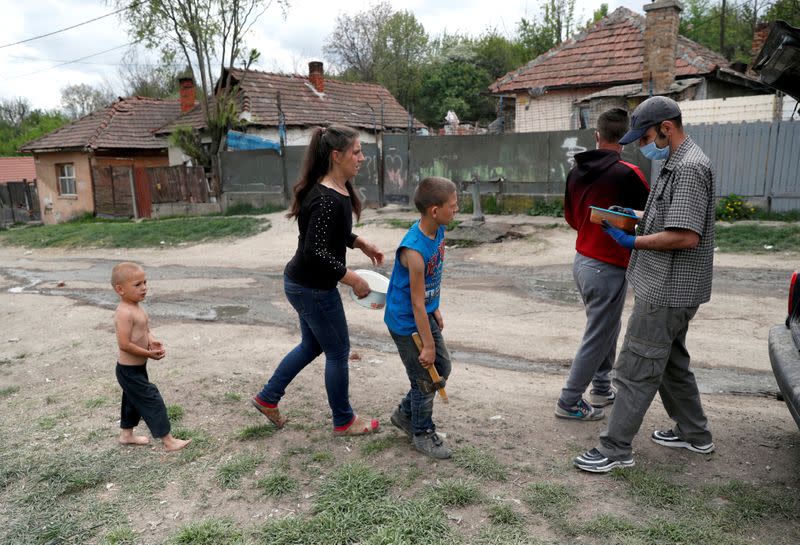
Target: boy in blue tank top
412	306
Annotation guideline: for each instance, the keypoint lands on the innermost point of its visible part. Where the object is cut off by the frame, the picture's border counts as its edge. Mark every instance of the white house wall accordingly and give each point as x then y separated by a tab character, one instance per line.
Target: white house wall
549	112
749	109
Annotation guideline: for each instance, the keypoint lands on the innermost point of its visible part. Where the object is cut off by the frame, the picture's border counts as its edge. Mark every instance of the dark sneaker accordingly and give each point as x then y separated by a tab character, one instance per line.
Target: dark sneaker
431	444
400	420
668	438
579	411
594	462
602	399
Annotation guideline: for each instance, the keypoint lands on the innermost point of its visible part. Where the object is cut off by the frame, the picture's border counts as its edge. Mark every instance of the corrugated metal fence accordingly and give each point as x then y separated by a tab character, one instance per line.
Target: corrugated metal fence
755	160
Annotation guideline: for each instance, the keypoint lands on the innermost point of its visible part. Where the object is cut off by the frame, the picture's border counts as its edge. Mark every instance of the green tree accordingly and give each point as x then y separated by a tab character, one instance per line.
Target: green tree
209	36
147	80
351	48
401	46
19	124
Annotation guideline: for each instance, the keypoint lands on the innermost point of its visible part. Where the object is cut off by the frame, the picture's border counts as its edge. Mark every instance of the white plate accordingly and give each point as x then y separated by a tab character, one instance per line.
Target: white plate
378	285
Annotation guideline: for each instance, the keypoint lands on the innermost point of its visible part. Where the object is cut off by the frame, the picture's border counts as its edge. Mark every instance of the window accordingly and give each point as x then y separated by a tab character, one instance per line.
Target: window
584	117
66	179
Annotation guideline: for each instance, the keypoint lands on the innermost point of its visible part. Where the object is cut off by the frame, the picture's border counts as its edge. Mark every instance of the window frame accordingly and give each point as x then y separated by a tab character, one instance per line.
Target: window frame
68	180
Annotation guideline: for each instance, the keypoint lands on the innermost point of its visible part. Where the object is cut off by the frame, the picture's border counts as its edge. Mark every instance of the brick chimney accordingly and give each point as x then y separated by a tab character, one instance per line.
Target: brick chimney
187	92
759	38
660	45
316	76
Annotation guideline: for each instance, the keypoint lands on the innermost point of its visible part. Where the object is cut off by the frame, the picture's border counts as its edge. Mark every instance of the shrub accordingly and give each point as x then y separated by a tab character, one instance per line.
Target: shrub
733	207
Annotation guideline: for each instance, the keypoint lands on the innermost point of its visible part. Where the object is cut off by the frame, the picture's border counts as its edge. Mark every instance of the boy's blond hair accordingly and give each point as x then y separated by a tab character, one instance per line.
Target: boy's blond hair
433	191
121	271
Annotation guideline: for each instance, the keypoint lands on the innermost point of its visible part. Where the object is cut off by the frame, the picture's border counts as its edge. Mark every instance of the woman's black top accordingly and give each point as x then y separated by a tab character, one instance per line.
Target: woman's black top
326	224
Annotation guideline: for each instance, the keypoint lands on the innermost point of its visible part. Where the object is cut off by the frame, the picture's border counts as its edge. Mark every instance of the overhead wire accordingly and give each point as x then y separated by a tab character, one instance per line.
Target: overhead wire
39	37
73	61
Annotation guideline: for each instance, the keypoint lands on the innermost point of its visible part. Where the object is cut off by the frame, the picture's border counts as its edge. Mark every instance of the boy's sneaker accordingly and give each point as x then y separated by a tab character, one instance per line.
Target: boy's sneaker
579	411
400	420
431	444
668	438
602	399
594	462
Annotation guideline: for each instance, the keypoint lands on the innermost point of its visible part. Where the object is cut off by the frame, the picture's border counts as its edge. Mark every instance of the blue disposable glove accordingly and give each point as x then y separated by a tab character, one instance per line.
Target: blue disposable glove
622	210
621	237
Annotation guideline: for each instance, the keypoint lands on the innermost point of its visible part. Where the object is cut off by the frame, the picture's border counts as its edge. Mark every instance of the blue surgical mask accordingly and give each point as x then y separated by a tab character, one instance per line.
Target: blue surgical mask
653	152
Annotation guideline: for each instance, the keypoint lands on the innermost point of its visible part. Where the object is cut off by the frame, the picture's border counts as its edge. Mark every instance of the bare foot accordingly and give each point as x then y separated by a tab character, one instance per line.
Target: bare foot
128	438
171	444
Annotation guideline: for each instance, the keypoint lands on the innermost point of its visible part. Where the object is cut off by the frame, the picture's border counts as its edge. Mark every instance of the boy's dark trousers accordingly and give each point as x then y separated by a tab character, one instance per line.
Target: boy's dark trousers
141	400
418	402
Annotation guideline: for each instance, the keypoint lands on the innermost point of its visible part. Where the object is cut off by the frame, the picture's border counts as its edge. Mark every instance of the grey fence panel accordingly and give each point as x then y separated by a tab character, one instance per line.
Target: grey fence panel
785	181
395	169
366	181
254	171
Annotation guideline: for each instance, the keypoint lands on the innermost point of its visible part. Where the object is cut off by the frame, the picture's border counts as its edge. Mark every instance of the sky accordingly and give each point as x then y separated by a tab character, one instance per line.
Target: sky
287	42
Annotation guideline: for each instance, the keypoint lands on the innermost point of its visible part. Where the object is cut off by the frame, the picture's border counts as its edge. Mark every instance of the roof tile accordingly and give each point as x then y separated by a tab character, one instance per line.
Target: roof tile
615	47
16	169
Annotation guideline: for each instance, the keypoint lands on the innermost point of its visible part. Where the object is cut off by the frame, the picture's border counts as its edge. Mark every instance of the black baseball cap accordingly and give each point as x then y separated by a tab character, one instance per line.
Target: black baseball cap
651	112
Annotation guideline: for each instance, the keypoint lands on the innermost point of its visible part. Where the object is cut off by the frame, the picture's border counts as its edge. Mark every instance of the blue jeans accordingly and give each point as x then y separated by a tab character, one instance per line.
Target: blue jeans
418	402
324	329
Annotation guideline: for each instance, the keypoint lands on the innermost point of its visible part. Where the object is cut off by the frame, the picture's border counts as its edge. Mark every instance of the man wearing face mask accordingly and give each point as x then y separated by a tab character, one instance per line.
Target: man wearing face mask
670	271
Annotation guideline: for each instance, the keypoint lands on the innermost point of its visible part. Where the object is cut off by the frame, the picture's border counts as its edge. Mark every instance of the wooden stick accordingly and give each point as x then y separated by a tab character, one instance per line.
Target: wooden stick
437	380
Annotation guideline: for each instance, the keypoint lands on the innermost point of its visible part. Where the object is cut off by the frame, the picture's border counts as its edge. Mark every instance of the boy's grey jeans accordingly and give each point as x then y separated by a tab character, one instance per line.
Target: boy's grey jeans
418	402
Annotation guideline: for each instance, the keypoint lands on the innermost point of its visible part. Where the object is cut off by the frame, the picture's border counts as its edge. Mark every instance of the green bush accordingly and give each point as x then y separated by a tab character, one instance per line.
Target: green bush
553	209
733	207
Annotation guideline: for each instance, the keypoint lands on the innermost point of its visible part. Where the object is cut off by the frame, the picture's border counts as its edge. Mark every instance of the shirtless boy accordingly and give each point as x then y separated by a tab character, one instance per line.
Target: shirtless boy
140	398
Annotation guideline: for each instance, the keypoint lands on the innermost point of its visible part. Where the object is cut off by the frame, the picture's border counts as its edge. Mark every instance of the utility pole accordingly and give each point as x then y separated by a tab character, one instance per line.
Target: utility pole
282	137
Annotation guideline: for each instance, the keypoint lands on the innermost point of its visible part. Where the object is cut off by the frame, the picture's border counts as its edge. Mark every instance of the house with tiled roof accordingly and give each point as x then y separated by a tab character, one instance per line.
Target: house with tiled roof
305	102
120	135
617	62
17	169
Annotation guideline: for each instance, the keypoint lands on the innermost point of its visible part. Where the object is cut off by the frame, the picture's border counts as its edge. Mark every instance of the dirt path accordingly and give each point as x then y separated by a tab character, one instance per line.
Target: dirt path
512	321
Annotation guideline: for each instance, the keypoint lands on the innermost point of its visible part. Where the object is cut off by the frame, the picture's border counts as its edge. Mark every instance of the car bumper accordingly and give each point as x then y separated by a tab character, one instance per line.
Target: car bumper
785	359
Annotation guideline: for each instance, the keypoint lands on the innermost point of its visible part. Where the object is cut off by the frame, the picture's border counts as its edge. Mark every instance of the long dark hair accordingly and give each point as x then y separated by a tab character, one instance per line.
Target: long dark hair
317	163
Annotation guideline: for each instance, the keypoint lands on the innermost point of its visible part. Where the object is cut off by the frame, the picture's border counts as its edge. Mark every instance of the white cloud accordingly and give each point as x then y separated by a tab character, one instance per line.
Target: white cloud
286	44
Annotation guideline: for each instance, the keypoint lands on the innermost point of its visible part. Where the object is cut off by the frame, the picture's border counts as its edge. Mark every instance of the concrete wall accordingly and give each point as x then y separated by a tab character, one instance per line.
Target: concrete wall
57	208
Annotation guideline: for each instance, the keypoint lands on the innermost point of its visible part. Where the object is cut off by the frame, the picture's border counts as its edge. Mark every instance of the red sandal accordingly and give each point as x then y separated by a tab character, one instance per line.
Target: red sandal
272	413
357	426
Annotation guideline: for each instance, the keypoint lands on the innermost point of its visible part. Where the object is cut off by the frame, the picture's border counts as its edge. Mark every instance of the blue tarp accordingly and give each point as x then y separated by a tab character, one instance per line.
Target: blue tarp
240	141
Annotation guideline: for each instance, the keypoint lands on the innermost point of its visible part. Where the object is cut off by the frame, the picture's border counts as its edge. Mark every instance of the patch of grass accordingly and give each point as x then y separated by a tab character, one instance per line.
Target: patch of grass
175	413
95	402
258	431
502	514
246	209
452	225
505	535
122	535
127	234
554	209
399	224
758	239
480	463
455	493
8	391
350	486
201	441
550	500
745	504
374	446
322	457
790	215
651	488
608	526
47	422
208	532
230	474
231	397
276	484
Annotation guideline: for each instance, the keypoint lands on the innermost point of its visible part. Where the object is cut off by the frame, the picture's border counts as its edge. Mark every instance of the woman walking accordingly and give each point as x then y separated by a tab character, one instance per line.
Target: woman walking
324	203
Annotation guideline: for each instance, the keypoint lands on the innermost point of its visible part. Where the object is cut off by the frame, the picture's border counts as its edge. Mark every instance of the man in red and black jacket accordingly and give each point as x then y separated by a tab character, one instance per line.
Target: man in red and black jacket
599	178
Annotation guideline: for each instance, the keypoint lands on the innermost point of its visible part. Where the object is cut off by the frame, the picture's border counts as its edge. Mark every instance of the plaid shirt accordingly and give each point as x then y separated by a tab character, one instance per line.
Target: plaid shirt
681	198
